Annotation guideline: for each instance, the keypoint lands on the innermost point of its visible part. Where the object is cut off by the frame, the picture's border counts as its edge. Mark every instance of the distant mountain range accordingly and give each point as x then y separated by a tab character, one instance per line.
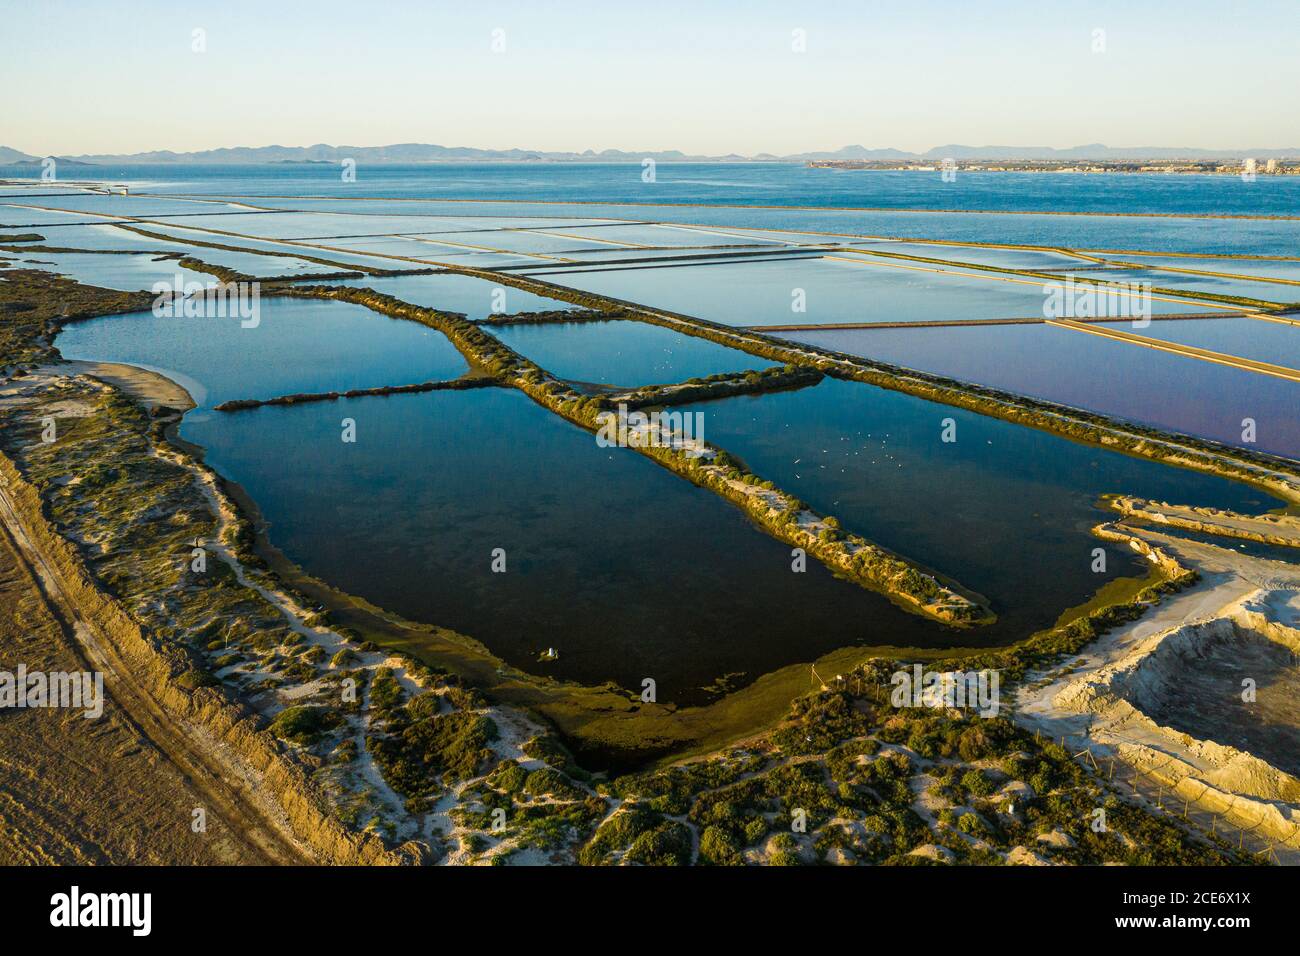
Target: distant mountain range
429	153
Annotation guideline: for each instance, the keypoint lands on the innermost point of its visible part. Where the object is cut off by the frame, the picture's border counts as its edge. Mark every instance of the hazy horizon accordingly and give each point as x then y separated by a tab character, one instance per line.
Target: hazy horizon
705	81
1016	151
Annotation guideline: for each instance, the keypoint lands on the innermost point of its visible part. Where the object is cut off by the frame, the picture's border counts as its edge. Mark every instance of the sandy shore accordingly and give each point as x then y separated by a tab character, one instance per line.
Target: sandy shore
152	388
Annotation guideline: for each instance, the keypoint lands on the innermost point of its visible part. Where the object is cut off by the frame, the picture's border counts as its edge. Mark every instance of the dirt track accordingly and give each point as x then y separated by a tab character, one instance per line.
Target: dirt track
120	789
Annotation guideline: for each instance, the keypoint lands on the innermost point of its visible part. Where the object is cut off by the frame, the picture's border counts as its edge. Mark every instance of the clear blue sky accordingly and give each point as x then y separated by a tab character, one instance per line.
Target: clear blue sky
708	77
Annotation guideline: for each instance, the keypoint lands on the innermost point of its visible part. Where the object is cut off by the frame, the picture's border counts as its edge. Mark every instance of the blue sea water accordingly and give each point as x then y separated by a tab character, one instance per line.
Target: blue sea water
764	195
775	184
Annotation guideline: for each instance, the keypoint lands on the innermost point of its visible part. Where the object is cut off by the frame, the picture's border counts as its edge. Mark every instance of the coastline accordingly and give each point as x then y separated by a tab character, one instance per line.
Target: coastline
151	387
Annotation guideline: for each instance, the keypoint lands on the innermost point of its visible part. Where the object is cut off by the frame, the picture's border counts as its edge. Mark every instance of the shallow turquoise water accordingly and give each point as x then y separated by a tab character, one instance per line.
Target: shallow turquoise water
473	297
1211	236
127	273
108	237
1216	285
843	202
19	216
833	291
1246	267
623	353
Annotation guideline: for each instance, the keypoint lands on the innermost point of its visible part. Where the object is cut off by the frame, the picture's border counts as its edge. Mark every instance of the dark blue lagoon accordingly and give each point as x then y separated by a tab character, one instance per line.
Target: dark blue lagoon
629	571
1004	509
296	346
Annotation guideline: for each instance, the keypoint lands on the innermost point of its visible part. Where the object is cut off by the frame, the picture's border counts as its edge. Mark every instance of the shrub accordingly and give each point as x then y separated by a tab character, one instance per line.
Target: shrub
668	844
975	782
508	777
195	677
385	691
304	725
717	848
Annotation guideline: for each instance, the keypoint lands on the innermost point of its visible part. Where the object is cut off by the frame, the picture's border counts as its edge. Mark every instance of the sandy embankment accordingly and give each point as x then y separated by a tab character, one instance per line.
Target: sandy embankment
1163	695
1276	529
153	389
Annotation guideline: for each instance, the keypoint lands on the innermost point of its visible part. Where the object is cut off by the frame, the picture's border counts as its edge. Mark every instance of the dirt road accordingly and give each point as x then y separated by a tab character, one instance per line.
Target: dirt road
120	789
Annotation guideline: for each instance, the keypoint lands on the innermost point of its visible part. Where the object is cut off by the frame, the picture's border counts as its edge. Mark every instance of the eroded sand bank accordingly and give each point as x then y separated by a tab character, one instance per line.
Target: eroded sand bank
1164	696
